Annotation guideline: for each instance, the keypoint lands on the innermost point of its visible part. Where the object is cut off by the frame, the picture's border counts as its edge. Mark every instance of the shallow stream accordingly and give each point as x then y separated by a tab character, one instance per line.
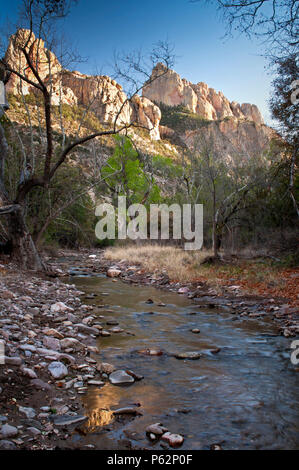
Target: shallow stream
244	397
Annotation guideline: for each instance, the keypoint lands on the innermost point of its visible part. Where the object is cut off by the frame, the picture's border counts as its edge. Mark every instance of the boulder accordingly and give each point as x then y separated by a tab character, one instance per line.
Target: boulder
120	377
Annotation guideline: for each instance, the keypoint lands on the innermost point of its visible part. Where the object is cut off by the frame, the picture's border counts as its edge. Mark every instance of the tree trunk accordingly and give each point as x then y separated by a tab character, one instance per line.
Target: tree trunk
23	251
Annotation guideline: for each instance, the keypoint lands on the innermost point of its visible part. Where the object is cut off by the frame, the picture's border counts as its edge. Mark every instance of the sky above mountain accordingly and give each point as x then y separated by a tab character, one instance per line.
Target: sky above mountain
98	29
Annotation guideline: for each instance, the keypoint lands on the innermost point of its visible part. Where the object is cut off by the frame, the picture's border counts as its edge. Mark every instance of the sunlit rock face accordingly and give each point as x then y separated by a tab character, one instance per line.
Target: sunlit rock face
170	89
46	61
233	137
100	94
147	114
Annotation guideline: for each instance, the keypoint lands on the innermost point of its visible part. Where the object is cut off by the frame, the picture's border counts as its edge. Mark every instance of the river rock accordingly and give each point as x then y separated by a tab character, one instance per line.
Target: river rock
174	440
183	290
71	343
51	343
215	447
12	361
49	353
67	420
53	332
188	355
195	330
113	272
28	372
116	329
28	412
150	352
8	431
28	347
120	377
89	330
157	429
7	445
106	368
98	383
215	350
105	333
60	307
33	431
58	370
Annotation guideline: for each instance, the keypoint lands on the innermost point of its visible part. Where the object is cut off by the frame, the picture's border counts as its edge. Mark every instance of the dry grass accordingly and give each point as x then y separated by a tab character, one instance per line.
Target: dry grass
180	265
257	276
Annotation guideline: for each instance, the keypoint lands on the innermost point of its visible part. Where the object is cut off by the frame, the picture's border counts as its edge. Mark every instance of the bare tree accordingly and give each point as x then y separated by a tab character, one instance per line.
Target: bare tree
276	22
40	15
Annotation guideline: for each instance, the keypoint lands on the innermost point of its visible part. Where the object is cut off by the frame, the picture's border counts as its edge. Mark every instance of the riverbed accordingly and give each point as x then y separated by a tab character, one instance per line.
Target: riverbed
243	397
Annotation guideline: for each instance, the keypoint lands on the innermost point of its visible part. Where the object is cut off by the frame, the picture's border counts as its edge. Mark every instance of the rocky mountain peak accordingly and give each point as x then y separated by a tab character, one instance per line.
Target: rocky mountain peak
103	95
172	90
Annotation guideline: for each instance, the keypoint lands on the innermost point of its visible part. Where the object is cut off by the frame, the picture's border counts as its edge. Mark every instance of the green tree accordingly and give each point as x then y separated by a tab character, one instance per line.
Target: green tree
125	175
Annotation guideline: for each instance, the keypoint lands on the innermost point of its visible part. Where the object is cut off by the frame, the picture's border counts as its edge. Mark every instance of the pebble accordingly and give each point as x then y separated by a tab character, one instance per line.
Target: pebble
52	343
87	329
116	329
12	361
157	429
58	370
28	372
29	412
113	272
105	333
188	355
150	352
183	290
7	445
33	431
59	307
96	382
71	343
106	368
8	431
174	440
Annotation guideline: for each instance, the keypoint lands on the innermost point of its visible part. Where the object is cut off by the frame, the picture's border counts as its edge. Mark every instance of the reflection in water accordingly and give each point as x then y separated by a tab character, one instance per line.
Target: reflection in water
244	396
98	417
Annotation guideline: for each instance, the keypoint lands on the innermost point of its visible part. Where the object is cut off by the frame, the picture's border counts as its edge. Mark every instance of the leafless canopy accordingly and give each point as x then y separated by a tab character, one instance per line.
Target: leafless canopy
275	21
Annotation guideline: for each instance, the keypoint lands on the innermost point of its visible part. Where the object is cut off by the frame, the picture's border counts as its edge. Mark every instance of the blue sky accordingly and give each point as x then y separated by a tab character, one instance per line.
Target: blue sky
99	28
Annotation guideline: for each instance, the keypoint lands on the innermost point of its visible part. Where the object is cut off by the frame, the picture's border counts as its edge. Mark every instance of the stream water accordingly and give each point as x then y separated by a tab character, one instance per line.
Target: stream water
244	397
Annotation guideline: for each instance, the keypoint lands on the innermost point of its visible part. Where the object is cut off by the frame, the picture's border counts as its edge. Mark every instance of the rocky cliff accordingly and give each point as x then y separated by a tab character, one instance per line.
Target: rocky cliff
101	94
169	88
200	111
232	126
